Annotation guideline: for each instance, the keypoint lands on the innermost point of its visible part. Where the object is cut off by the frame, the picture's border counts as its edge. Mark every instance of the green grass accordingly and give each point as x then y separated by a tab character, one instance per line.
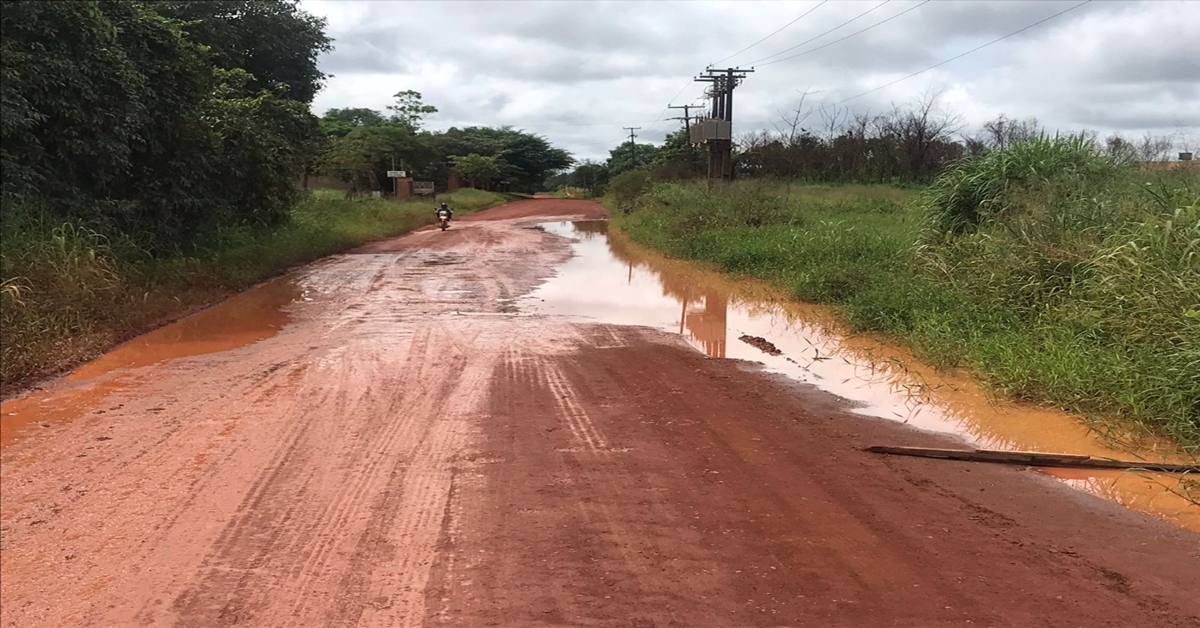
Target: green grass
1078	287
68	294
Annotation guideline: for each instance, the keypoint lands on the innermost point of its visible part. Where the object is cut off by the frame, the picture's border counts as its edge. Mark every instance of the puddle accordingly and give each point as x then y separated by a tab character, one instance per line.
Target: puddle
614	281
243	319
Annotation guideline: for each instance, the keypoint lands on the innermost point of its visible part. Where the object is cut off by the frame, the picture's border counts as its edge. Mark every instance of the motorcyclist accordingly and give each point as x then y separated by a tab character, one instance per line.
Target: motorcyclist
444	209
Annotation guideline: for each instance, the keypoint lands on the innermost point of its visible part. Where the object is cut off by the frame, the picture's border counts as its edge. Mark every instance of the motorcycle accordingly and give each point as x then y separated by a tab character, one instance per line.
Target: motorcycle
443	220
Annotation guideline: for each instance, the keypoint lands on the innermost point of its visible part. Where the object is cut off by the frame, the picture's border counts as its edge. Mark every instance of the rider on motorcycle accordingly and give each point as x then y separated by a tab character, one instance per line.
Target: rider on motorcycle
444	209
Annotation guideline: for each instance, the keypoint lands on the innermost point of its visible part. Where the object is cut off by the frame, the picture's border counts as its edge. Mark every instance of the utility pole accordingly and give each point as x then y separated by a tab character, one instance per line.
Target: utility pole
687	118
718	130
632	144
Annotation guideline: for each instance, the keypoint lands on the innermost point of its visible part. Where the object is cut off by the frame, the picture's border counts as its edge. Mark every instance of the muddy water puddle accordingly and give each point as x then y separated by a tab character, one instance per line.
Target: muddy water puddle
612	280
241	320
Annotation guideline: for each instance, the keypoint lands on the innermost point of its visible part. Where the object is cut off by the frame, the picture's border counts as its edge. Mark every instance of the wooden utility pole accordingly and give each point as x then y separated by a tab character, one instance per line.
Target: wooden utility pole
687	118
632	144
718	131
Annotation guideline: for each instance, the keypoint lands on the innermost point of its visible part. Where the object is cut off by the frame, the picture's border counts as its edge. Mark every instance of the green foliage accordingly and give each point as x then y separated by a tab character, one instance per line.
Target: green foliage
477	169
500	158
991	184
524	159
363	156
628	186
340	122
626	157
67	292
409	110
274	41
1083	292
160	121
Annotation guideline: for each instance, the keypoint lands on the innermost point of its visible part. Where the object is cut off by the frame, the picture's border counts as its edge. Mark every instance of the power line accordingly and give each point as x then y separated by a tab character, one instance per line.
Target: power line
803	43
975	49
771	35
858	32
563	125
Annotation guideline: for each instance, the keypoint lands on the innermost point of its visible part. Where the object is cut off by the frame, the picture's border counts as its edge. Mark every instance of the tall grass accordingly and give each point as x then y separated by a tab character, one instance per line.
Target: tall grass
67	293
1072	281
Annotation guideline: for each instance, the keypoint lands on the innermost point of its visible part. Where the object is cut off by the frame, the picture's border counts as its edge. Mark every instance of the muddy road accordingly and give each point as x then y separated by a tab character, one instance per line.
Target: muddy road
386	438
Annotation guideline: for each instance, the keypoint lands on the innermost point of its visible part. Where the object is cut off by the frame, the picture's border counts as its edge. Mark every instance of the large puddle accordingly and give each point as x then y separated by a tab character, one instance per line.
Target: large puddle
243	319
612	280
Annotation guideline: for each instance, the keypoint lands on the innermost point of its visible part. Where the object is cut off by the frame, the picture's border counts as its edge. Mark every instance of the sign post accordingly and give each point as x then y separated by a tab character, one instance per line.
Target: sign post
395	176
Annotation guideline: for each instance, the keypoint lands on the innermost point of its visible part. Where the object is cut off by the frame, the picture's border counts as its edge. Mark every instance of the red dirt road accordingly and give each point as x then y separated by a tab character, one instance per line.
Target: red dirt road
409	451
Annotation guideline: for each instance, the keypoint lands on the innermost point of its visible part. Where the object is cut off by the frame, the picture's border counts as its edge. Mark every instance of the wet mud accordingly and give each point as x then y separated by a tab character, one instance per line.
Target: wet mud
246	318
434	430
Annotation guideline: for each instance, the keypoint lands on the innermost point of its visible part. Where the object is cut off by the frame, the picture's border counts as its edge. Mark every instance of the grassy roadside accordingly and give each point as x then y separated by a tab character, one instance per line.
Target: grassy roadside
1079	290
68	293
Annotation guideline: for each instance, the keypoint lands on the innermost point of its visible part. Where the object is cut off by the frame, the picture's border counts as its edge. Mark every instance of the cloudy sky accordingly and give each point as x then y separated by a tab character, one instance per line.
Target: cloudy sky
577	72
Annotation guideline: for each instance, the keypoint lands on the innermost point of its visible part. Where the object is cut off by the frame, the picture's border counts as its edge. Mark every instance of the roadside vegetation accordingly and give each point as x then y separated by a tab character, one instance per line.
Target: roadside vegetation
70	292
1050	268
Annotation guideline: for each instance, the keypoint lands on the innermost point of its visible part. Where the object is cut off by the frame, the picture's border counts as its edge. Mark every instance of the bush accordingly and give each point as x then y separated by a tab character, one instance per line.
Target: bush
67	293
627	187
989	184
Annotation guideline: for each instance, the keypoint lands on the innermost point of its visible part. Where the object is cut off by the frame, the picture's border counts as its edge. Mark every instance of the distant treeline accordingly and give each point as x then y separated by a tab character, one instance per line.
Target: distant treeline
907	144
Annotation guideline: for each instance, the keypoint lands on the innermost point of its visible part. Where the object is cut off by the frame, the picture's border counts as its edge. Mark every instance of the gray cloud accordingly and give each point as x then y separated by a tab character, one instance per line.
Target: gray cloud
577	72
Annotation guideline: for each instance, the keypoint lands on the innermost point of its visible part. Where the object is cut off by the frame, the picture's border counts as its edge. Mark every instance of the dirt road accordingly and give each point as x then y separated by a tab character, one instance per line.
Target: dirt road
404	447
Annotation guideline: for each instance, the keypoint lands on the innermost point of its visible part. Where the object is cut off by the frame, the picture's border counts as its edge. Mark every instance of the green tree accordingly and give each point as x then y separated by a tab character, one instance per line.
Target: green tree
362	158
339	122
273	40
590	176
409	109
677	158
627	156
115	118
525	160
478	170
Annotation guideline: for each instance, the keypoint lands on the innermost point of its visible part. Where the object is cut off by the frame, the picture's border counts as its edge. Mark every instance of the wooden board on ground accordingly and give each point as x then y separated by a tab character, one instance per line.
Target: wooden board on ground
1034	458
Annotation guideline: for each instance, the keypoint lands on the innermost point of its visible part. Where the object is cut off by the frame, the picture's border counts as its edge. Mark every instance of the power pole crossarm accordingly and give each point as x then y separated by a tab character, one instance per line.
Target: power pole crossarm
632	143
687	117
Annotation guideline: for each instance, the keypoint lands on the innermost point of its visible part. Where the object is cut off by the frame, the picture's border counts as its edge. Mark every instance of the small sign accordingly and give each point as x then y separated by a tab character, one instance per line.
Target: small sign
423	188
396	174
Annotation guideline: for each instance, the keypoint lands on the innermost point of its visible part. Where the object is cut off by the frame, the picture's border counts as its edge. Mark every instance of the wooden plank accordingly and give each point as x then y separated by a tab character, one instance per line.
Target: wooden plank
1033	458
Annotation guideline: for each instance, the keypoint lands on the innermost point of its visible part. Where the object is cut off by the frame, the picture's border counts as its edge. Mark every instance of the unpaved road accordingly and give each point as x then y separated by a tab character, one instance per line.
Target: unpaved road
407	452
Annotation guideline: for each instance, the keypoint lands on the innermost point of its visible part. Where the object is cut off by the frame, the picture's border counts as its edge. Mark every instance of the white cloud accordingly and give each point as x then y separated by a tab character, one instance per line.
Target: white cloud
576	72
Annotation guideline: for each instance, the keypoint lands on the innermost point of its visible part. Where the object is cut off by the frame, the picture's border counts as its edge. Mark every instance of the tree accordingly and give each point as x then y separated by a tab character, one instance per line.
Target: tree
524	160
1003	132
591	176
116	118
339	122
363	156
628	156
409	109
677	158
920	135
479	171
273	40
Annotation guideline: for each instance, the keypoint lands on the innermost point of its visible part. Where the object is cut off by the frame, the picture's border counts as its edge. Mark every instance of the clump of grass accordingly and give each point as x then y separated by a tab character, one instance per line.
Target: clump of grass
983	187
68	293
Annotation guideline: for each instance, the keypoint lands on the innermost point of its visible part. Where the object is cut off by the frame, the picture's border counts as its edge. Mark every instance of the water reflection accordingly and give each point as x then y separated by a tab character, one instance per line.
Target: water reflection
612	280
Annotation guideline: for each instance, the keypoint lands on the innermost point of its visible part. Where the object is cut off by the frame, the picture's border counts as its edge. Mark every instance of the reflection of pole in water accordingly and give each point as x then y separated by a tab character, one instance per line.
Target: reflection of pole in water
709	325
683	312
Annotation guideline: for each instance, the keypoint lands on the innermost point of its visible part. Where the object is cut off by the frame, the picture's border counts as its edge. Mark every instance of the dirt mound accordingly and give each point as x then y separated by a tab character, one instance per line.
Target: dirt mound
762	344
